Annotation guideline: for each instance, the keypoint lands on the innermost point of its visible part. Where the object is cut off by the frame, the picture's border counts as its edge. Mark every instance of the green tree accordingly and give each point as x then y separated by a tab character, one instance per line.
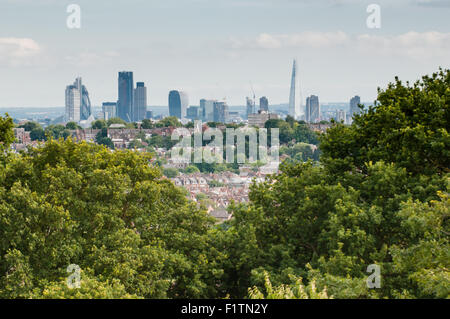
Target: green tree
132	233
147	124
408	126
6	132
99	124
170	172
72	126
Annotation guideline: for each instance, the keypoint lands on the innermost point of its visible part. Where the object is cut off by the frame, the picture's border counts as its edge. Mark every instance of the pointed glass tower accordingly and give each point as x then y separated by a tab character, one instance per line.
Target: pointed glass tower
295	100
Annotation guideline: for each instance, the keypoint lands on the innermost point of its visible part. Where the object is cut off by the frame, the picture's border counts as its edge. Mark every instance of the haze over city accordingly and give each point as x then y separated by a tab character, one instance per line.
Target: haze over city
216	49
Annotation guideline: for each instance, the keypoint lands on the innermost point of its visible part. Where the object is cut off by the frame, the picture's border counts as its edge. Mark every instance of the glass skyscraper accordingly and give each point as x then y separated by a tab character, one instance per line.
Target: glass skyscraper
140	102
125	102
295	99
78	104
312	109
178	104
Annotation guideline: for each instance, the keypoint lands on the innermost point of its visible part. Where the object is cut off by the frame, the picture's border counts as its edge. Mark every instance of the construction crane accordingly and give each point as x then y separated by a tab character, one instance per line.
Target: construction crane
254	98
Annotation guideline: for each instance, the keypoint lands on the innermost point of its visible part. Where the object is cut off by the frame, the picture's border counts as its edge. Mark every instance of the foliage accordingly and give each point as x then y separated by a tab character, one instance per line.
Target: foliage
294	291
132	233
408	126
170	121
72	126
170	172
102	138
6	132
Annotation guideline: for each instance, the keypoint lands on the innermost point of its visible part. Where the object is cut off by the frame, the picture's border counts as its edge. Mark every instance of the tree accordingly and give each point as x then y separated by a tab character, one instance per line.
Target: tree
102	138
37	134
6	132
30	126
170	121
147	124
170	172
408	126
365	204
72	126
191	169
99	124
131	233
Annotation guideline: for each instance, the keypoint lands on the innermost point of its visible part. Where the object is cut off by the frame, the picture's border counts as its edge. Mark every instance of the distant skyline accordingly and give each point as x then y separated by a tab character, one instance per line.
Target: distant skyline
217	49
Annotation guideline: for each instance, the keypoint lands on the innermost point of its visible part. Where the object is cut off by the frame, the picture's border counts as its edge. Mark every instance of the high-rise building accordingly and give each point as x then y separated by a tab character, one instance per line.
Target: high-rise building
178	104
140	102
73	104
193	113
312	112
250	106
220	112
77	110
340	116
354	102
109	110
207	110
264	104
295	99
126	97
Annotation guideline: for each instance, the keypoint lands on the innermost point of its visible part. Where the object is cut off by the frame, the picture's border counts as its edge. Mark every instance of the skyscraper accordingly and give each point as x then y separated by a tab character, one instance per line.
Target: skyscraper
140	102
312	114
73	104
264	104
354	102
78	104
250	106
220	112
126	97
295	100
340	116
207	110
109	110
178	104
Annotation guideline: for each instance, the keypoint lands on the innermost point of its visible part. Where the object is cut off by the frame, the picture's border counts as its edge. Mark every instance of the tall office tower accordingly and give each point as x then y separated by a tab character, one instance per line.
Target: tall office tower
85	109
73	104
295	99
220	112
193	113
264	104
126	97
250	106
312	114
109	110
75	112
207	110
340	116
354	102
178	104
140	102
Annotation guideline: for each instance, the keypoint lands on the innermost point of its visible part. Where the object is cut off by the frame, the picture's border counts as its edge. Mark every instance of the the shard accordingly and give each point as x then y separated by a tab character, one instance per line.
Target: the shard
295	100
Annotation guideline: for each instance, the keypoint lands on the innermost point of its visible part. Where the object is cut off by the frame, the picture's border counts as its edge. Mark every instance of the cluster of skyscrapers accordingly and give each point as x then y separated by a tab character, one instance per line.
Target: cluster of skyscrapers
131	105
132	102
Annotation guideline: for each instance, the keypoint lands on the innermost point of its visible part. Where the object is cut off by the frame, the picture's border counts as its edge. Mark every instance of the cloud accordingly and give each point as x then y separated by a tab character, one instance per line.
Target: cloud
85	59
297	40
432	3
416	45
16	51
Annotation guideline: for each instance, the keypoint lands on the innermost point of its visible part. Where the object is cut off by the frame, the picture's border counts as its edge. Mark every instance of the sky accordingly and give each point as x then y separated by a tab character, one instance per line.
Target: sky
217	49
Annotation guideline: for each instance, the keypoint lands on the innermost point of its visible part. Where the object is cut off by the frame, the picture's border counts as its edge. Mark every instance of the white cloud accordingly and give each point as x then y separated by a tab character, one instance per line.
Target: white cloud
85	59
416	45
16	51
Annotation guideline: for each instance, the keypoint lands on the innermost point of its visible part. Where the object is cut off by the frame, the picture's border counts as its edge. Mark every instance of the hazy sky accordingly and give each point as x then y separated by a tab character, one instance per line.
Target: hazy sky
216	48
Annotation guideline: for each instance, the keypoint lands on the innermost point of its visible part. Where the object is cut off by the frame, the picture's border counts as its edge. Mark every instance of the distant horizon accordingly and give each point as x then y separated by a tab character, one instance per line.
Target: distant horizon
217	49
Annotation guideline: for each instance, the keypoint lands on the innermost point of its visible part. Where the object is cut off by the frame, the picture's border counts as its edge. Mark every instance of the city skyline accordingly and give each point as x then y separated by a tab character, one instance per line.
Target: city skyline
215	49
